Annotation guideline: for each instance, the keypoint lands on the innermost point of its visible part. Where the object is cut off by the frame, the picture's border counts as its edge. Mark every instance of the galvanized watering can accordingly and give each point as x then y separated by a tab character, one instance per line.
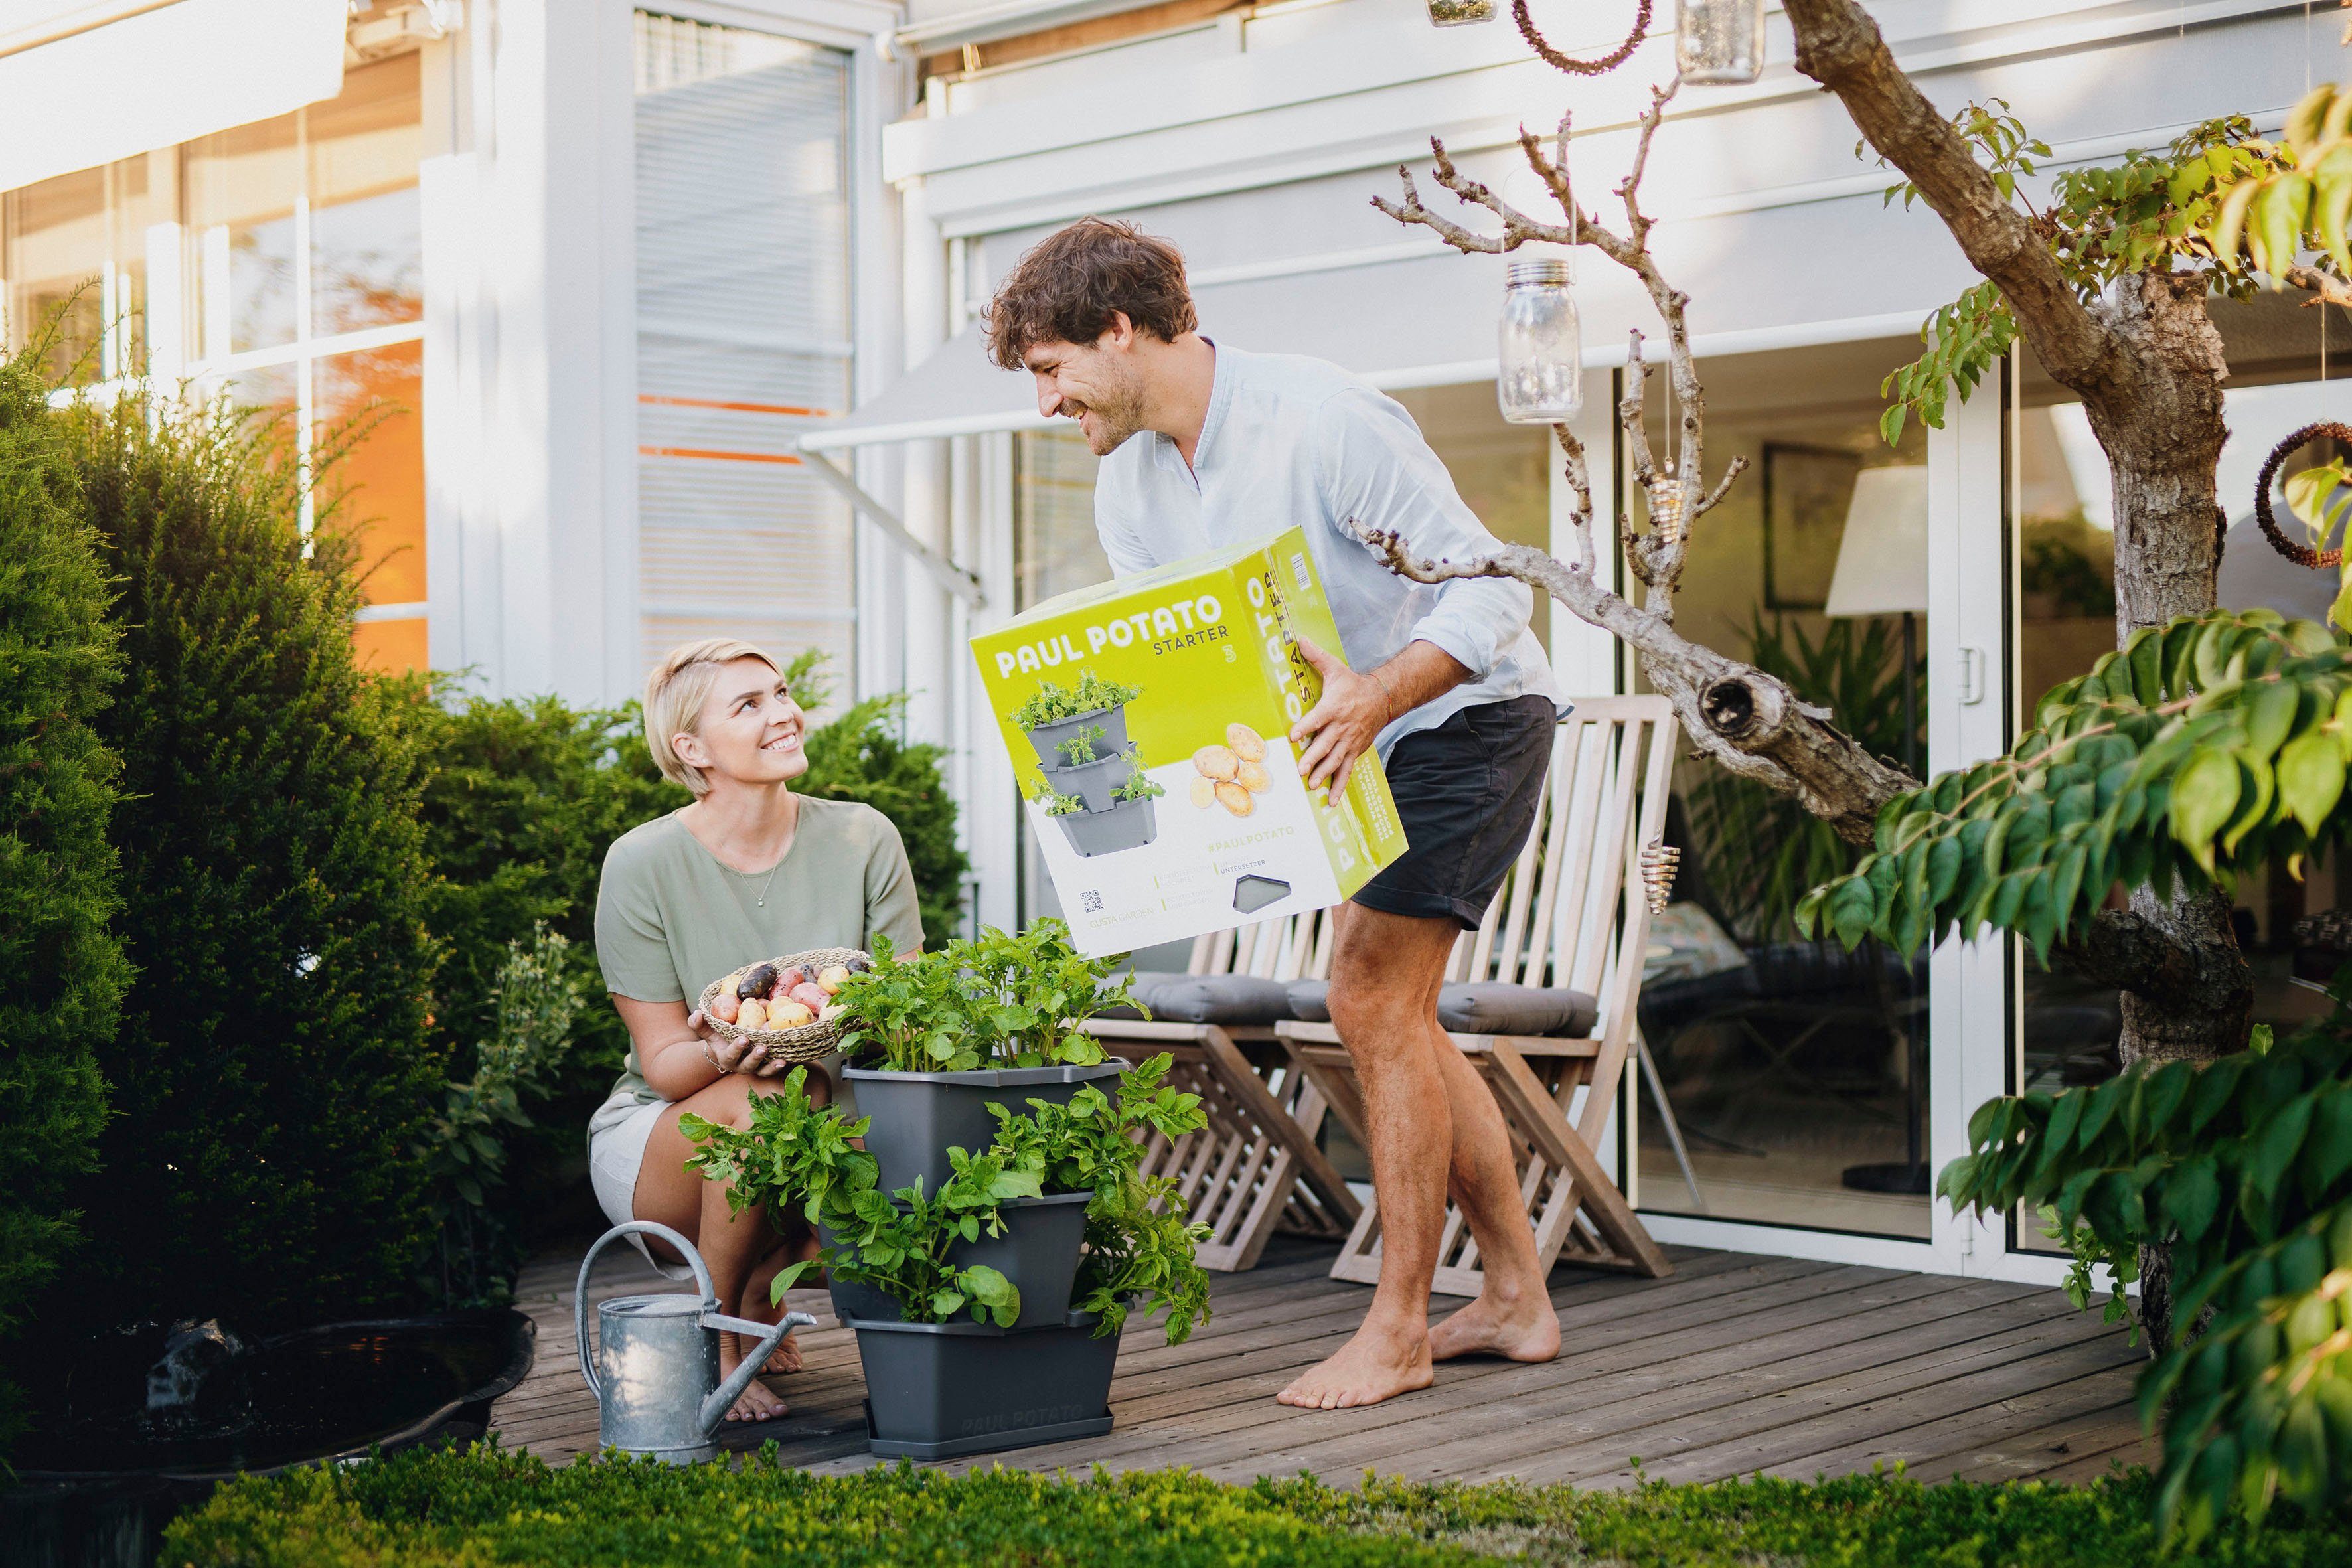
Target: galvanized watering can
654	1367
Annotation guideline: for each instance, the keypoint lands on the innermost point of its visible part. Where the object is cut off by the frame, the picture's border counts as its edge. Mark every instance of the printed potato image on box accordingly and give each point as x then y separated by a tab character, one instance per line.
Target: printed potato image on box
1149	721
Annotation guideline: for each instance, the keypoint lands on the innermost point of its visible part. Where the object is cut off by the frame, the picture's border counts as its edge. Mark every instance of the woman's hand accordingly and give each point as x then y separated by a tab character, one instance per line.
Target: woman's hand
732	1055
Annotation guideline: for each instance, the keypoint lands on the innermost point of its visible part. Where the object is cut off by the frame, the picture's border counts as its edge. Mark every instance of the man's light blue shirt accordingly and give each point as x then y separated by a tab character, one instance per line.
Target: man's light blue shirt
1296	442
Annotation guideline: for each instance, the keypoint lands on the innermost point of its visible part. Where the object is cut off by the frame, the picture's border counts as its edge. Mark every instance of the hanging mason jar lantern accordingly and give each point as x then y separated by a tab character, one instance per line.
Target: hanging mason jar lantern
1720	41
1540	376
1455	13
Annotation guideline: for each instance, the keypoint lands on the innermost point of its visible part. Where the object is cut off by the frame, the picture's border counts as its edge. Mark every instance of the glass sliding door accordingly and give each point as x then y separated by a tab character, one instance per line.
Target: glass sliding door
2284	369
743	338
1795	1073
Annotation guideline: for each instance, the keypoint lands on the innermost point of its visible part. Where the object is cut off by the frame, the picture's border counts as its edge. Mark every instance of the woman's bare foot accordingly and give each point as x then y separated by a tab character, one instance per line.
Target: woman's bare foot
1525	1330
1373	1366
784	1358
755	1402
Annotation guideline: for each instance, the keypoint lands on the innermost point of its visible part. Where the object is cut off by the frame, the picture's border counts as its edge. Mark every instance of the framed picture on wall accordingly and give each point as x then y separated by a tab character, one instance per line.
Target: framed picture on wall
1806	492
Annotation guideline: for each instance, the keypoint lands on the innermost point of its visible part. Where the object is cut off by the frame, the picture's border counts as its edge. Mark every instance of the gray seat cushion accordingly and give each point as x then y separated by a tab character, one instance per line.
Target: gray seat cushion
1485	1008
1227	999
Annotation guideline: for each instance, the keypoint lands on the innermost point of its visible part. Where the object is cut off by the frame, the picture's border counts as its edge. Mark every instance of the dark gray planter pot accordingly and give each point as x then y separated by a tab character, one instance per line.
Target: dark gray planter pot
1130	825
1091	782
1049	738
1038	1252
940	1391
918	1117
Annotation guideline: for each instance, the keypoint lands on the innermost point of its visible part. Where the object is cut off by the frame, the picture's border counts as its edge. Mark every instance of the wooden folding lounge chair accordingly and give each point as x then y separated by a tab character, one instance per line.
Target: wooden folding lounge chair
1571	914
1255	1168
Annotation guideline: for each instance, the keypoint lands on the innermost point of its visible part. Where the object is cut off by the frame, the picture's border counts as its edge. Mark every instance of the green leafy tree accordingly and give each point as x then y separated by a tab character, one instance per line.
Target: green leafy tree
271	1065
61	967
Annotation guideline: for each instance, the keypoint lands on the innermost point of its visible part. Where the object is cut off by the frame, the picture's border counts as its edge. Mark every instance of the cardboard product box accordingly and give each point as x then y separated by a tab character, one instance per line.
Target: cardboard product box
1148	720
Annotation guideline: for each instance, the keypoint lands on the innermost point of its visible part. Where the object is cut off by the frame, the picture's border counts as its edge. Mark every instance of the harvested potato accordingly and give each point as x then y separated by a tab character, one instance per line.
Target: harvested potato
1215	762
809	995
725	1005
1252	777
832	979
1205	792
1246	744
753	1015
790	1015
1235	799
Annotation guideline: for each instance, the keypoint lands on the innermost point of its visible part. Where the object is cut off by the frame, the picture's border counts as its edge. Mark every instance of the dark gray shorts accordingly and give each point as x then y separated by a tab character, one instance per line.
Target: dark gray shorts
1467	793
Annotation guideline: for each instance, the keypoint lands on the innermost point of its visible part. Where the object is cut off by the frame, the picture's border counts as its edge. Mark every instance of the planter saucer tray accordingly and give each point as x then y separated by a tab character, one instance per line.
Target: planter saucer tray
1148	722
940	1391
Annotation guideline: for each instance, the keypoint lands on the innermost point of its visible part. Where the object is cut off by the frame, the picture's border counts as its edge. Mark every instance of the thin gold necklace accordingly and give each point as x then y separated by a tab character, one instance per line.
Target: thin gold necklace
772	877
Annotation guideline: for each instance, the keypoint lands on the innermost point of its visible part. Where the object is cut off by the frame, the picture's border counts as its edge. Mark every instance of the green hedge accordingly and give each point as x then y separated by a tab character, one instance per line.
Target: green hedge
61	969
428	1510
271	1069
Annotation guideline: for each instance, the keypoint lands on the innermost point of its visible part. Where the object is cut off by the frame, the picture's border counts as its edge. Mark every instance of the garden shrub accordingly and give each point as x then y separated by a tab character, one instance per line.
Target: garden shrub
486	1505
61	969
270	1066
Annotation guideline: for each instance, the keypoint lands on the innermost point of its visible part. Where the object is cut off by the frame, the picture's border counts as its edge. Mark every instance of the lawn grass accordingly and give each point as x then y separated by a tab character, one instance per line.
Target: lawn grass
487	1506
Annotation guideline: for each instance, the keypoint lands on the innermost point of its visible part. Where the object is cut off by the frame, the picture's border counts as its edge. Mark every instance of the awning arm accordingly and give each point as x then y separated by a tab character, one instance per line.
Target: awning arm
945	572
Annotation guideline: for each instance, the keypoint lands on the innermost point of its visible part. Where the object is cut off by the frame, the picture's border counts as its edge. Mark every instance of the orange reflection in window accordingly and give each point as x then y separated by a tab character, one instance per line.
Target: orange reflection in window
370	438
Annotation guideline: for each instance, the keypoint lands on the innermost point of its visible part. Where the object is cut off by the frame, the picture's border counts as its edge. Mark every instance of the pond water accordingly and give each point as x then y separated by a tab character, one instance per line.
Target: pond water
161	1417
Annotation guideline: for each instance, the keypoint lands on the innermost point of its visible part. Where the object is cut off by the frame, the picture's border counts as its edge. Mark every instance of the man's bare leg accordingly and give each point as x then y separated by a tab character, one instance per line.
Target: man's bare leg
1513	1315
1385	971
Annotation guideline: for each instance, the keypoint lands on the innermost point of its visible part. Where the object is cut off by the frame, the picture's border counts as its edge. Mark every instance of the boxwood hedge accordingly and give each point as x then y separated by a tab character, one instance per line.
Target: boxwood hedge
443	1510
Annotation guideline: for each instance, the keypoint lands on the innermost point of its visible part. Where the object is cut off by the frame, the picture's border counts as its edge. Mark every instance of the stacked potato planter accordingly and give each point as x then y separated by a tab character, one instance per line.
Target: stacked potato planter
935	1390
1106	823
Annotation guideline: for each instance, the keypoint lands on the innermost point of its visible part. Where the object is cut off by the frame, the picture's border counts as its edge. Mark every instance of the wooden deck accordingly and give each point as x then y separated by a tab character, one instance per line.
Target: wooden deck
1733	1365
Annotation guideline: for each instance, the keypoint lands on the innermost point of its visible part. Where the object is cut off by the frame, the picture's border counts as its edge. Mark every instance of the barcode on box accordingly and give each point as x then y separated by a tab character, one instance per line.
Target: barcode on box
1298	572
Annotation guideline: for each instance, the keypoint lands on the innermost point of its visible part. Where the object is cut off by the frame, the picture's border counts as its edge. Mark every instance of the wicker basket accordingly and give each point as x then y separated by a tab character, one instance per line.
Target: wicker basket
810	1041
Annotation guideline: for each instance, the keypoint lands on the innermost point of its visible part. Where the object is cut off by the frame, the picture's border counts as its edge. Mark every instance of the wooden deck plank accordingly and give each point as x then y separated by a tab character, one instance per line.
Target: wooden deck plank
1732	1364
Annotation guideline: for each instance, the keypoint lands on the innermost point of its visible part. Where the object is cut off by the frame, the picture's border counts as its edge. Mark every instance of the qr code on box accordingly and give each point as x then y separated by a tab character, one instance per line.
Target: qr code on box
1091	902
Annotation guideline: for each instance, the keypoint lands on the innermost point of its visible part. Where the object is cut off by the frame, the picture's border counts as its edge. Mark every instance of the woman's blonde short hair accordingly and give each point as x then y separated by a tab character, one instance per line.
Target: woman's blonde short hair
674	692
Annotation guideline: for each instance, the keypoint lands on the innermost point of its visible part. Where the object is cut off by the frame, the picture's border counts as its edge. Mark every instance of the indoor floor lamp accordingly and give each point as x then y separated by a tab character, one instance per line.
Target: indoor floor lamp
1882	570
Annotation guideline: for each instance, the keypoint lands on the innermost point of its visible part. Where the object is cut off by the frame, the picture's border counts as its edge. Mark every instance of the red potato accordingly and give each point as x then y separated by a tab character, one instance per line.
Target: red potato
809	997
726	1007
790	979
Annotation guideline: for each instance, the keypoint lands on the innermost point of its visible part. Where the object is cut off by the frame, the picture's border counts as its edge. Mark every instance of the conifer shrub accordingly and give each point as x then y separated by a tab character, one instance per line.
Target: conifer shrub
61	969
271	1067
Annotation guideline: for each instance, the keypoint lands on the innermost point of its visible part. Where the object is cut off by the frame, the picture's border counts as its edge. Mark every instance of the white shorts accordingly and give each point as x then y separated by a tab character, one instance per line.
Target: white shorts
616	1154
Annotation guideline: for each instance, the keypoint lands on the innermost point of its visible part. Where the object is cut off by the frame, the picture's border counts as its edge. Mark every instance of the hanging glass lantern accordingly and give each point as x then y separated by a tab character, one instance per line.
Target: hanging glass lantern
1540	376
1455	13
1720	41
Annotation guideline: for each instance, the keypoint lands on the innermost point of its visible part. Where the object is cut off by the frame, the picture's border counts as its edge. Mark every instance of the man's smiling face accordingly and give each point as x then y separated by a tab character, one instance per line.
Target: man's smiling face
1099	385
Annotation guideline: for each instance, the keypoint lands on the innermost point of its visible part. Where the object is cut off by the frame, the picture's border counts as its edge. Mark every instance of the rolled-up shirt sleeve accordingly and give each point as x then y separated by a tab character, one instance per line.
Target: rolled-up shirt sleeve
1374	470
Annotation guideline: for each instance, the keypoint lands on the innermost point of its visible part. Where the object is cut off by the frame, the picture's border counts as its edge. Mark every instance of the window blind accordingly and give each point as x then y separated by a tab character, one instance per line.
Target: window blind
743	337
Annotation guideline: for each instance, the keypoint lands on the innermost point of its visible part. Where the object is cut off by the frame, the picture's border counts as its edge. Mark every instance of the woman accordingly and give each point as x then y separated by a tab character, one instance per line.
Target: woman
748	872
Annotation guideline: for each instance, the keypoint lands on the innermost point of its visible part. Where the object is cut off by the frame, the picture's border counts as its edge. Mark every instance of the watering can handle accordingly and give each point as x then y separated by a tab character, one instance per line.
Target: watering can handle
580	1290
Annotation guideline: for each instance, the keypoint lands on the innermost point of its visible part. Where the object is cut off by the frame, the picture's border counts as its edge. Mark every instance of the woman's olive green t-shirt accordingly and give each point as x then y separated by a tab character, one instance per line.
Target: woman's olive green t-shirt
670	919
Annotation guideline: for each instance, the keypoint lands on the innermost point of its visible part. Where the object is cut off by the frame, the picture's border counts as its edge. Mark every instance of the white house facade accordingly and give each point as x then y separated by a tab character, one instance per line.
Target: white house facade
678	304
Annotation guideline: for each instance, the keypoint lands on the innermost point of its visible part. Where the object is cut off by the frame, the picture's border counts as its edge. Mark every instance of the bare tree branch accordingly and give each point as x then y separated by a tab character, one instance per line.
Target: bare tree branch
1752	722
2325	287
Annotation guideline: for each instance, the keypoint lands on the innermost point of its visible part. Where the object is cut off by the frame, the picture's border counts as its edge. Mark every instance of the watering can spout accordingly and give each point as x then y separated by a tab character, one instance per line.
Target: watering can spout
715	1408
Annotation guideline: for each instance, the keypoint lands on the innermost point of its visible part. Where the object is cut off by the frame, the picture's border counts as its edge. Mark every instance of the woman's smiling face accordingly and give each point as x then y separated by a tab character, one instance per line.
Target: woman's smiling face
751	729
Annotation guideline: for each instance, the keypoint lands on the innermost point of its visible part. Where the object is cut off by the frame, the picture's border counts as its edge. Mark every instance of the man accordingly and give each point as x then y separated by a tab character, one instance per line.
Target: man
1205	446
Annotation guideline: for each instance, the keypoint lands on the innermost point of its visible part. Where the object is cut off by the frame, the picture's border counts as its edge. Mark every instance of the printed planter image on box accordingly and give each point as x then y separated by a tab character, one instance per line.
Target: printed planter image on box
1038	1252
916	1117
938	1390
1048	739
1130	824
1092	782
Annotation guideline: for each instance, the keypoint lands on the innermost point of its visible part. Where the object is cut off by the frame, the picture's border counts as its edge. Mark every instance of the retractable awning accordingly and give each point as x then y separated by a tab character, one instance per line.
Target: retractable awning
1430	316
74	96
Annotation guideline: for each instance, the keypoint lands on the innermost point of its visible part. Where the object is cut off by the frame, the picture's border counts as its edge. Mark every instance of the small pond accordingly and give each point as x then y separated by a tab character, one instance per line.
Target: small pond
176	1411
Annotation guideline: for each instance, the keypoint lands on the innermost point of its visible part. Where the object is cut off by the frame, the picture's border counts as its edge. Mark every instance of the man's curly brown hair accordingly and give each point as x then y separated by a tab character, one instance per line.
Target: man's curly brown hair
1069	284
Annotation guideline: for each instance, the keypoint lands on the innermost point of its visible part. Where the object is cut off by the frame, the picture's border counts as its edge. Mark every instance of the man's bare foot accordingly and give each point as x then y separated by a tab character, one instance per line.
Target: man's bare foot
1370	1368
1526	1330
